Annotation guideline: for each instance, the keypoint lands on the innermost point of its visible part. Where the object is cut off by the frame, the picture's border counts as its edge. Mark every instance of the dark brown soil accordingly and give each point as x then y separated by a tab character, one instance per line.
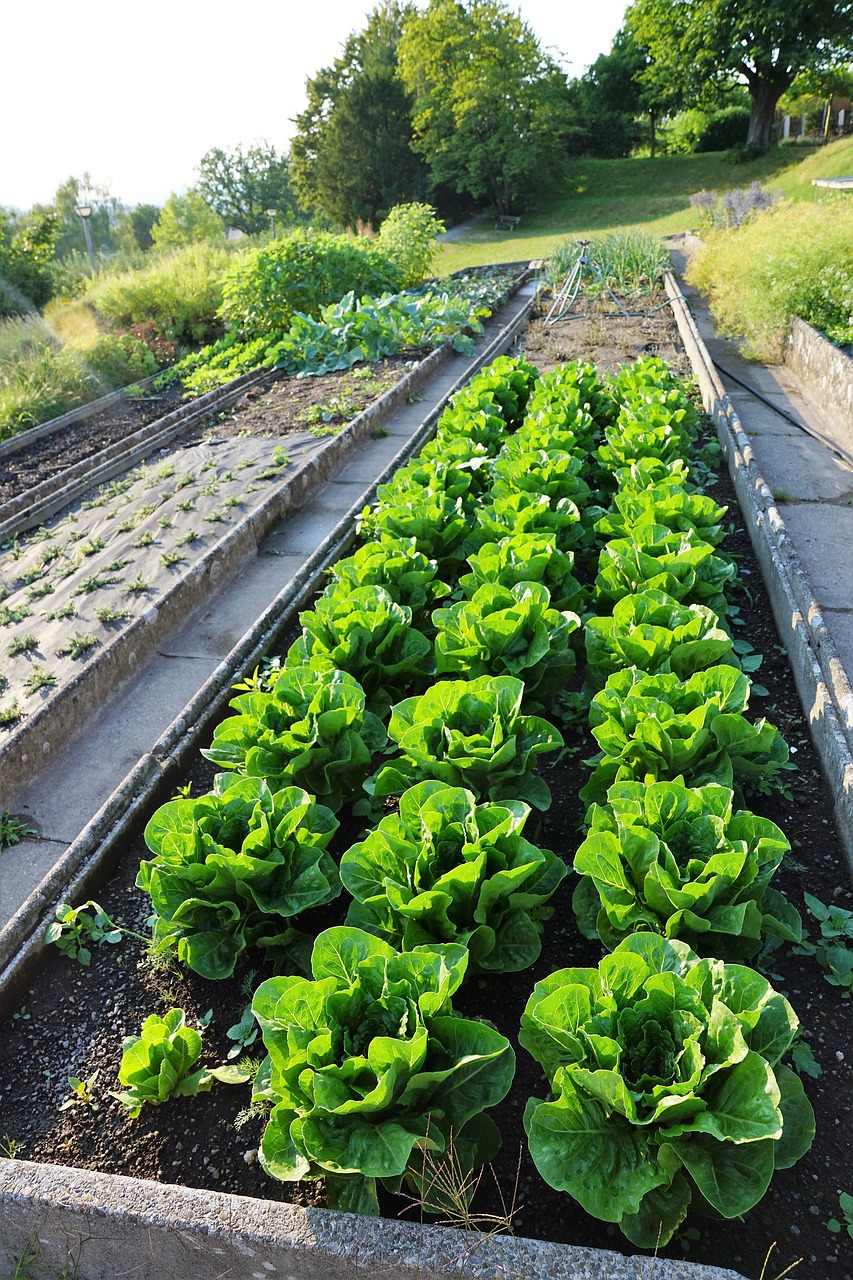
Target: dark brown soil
323	403
73	1020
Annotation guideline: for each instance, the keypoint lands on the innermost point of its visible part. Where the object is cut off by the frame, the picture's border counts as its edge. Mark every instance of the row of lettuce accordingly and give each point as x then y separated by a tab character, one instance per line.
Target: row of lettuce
551	519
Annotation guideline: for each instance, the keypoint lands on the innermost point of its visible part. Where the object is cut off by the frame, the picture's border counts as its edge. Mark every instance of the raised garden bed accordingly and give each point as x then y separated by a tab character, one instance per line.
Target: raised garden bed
36	1062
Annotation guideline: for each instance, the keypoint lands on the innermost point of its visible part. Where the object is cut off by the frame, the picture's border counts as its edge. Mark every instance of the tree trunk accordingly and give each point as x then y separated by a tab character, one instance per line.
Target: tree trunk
764	98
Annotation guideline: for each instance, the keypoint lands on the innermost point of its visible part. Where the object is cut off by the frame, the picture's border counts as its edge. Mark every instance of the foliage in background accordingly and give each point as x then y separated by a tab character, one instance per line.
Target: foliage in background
241	185
183	220
303	271
352	157
181	294
490	108
26	248
792	261
408	236
41	379
732	208
631	262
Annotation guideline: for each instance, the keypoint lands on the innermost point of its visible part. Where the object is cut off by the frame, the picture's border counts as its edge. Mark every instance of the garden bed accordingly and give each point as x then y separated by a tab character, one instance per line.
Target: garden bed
196	1143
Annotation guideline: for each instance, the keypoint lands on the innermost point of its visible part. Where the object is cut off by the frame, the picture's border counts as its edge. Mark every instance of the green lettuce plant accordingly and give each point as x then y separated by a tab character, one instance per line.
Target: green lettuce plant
528	513
652	631
157	1064
531	557
469	733
676	860
369	1068
395	565
234	868
509	631
364	633
655	728
667	1088
558	475
311	730
568	390
446	869
664	504
437	523
651	558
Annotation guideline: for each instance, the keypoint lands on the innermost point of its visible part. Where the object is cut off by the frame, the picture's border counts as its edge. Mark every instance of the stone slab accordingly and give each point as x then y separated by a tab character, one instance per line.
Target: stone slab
796	466
840	623
823	536
23	867
214	630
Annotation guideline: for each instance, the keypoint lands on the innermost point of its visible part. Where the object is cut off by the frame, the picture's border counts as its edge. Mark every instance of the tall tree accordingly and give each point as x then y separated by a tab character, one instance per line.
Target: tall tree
240	186
491	108
185	219
26	250
766	42
352	156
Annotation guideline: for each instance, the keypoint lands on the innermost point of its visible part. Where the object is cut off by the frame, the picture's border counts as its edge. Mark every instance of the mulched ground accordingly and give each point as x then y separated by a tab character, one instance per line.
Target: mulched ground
73	1020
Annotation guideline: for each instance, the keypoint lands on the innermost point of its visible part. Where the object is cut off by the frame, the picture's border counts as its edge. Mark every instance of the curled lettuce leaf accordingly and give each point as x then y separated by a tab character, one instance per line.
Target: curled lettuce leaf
653	631
446	869
368	1066
666	1086
677	861
529	557
651	558
398	567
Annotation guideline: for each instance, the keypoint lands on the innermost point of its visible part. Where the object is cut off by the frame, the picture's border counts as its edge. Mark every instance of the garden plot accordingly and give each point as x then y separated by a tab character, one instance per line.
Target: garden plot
155	1146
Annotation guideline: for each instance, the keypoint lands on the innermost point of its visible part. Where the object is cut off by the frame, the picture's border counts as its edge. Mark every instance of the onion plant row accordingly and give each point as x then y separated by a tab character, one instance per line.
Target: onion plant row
550	553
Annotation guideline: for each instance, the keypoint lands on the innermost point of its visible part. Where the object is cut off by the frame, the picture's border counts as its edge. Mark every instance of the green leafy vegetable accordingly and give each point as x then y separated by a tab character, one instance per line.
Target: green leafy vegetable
469	733
529	557
666	1086
654	632
157	1064
368	1066
651	558
678	861
232	870
445	869
312	730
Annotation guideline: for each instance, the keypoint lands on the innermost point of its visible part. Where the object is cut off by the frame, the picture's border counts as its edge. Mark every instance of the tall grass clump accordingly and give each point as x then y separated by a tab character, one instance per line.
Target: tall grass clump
182	294
40	378
794	260
631	262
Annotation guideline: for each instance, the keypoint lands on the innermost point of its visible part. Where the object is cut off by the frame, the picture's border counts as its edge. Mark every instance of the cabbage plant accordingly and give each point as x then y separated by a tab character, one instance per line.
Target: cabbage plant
678	861
446	869
469	733
312	730
509	631
652	631
656	728
234	868
369	1068
667	1087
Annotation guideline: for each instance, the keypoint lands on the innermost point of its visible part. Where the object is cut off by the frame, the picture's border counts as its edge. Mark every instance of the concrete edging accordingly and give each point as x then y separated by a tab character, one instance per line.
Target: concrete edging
820	678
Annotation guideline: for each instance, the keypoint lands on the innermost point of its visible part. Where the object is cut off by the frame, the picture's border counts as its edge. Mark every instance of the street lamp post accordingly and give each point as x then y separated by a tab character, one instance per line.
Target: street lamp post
271	215
84	212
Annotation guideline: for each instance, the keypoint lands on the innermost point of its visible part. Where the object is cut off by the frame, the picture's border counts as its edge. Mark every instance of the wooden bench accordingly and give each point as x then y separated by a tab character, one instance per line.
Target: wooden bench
506	222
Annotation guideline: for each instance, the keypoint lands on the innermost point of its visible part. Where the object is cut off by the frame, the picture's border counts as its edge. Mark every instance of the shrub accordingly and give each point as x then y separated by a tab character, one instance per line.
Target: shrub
408	236
40	378
181	294
121	360
790	261
302	272
723	129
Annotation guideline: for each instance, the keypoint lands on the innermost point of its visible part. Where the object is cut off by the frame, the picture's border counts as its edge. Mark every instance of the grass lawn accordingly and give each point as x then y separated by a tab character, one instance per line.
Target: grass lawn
610	195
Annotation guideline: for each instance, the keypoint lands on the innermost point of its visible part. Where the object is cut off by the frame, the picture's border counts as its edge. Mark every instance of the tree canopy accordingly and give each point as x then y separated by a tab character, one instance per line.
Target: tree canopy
185	219
240	186
490	108
764	42
352	156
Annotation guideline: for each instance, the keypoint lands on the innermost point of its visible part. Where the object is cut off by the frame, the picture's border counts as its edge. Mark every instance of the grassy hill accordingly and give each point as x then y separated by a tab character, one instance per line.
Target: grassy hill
609	195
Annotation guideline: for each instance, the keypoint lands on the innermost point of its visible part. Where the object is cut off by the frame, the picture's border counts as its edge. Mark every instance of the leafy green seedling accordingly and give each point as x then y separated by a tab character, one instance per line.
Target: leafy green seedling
13	829
845	1202
157	1064
832	950
243	1033
82	1093
76	929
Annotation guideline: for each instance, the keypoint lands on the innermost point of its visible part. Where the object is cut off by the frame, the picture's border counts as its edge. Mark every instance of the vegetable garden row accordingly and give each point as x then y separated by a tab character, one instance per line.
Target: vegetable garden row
550	555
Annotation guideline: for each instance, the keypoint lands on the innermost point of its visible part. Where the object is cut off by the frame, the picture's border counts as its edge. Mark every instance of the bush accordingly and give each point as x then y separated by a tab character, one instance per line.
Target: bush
40	378
724	129
408	236
790	261
302	272
182	294
121	360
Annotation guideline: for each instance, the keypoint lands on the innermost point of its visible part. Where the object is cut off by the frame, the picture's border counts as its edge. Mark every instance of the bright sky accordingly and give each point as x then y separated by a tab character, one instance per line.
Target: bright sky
135	94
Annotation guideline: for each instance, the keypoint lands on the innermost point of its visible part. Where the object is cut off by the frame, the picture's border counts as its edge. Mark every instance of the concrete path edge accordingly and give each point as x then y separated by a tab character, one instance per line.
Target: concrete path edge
820	678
